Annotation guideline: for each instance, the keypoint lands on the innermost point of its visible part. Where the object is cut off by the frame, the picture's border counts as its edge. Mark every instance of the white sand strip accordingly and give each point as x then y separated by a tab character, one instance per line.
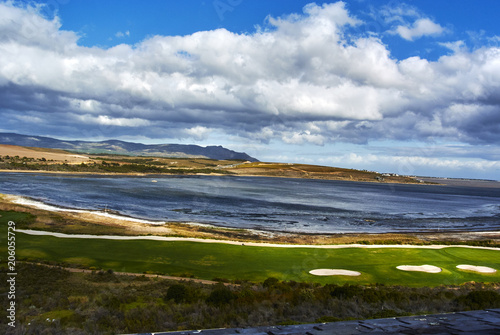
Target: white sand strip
420	268
481	269
334	272
41	205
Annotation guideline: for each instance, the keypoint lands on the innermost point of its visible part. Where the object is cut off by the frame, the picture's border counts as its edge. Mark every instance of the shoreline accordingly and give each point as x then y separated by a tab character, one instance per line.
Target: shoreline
111	214
231	174
29	202
428	181
102	223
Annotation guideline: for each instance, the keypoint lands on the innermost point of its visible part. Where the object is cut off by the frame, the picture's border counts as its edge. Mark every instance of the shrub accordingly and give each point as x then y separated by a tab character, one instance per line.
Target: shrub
481	299
221	295
270	282
177	292
346	292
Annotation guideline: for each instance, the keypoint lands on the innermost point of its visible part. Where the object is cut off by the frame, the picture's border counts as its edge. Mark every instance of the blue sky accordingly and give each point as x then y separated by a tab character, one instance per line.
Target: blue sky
411	87
99	22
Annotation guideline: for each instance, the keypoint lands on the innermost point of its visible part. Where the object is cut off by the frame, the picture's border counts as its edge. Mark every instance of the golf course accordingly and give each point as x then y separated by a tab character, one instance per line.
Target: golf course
98	272
256	263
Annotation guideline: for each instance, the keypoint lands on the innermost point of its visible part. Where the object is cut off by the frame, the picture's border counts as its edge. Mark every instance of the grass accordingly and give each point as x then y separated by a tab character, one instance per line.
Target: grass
55	222
18	217
235	262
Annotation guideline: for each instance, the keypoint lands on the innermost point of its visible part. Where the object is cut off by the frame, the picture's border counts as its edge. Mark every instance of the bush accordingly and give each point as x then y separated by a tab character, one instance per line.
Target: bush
481	299
177	292
103	277
221	295
270	282
346	292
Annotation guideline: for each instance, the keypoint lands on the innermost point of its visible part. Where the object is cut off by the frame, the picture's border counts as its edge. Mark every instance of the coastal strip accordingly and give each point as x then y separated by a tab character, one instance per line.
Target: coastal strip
40	205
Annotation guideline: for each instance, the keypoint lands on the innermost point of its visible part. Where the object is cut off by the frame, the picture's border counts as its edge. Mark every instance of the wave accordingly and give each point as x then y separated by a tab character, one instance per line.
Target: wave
41	205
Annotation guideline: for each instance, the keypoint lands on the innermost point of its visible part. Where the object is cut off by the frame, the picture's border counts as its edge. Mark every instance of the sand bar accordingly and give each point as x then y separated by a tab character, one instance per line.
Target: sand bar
334	272
420	268
481	269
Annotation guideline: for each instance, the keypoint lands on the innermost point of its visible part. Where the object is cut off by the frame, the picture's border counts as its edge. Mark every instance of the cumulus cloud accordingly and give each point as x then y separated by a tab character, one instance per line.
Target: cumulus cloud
198	132
456	46
408	22
297	79
420	28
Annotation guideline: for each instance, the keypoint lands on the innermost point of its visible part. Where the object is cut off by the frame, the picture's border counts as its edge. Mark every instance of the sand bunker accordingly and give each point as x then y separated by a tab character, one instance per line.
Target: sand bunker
481	269
334	272
421	268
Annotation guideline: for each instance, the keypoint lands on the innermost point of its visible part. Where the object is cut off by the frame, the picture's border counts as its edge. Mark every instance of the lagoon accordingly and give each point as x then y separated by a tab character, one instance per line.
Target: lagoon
266	203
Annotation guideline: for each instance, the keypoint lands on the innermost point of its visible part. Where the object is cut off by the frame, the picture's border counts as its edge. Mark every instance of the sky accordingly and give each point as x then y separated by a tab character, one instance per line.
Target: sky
408	87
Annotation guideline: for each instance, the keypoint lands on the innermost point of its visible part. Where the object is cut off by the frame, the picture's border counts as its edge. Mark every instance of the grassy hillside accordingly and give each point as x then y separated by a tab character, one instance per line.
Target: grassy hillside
316	172
37	159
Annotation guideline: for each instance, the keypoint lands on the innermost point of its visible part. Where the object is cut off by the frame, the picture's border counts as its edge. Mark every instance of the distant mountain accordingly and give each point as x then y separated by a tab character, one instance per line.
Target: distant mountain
125	148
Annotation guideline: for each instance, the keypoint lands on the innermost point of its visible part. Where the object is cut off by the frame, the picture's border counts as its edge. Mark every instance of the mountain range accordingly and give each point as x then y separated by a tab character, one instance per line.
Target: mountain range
125	148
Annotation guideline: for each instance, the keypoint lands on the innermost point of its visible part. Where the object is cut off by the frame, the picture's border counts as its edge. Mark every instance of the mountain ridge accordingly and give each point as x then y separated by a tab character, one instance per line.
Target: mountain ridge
119	147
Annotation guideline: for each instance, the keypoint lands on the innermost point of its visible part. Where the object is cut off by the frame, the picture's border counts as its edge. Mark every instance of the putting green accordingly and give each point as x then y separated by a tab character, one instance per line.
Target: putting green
211	260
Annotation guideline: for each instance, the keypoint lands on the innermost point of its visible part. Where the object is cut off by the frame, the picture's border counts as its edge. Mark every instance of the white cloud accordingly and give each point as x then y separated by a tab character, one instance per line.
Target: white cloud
456	46
198	132
408	22
299	80
411	165
421	27
303	137
108	121
122	34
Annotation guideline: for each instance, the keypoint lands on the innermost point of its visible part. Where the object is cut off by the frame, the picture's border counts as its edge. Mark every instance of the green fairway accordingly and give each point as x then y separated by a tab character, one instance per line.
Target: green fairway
208	261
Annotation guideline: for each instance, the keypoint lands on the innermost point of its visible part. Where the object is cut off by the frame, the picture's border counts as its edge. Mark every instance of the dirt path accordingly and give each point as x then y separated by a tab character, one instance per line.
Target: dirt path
148	275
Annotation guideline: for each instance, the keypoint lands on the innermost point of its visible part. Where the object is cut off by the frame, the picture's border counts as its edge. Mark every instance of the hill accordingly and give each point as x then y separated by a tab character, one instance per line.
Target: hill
116	147
115	156
308	171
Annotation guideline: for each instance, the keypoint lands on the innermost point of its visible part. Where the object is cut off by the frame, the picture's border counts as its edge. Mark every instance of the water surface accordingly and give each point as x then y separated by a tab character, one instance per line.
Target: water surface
281	204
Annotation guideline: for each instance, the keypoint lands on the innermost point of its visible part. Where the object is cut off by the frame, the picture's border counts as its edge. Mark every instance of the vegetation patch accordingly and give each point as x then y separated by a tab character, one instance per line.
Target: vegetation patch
31	254
55	301
114	165
83	261
21	219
